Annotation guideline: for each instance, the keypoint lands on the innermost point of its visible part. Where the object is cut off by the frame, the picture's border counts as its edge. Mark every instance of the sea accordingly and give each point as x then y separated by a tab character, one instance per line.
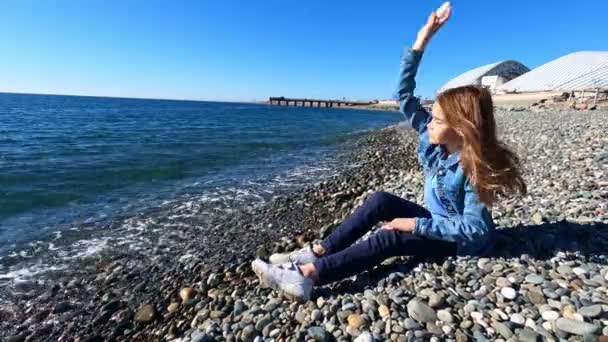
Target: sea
68	162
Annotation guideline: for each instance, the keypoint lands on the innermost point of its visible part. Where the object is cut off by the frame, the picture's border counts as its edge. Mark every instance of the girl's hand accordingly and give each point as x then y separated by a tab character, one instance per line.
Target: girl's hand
401	224
433	24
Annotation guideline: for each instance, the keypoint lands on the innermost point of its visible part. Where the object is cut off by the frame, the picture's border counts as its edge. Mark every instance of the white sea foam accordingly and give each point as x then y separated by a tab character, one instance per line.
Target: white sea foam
23	274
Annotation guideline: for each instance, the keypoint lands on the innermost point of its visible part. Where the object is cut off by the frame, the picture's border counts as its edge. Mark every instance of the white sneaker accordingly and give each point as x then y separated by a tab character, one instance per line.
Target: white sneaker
286	278
300	257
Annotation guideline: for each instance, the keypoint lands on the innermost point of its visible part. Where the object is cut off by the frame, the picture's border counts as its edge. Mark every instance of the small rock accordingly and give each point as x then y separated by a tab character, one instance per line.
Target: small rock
364	337
537	218
318	333
248	334
576	327
591	311
508	292
213	280
534	279
272	304
384	311
502	329
517	319
62	307
420	311
550	315
263	322
145	314
536	296
355	321
172	307
445	316
527	335
435	300
186	293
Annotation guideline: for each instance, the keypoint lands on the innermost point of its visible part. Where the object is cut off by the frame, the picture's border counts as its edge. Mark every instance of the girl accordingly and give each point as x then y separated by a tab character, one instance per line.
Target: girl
465	168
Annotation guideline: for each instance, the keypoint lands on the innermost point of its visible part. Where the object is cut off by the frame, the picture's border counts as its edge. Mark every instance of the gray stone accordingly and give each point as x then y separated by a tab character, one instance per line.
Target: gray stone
435	300
264	321
318	333
576	327
420	311
527	335
534	279
248	334
239	307
349	307
517	319
445	316
564	269
411	324
200	336
272	304
502	329
591	311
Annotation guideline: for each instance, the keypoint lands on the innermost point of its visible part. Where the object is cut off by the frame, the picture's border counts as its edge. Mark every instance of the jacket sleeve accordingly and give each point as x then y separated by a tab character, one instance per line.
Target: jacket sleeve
416	116
473	225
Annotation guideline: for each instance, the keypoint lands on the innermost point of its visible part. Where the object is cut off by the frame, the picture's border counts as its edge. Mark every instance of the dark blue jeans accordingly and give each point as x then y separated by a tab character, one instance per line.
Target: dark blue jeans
342	259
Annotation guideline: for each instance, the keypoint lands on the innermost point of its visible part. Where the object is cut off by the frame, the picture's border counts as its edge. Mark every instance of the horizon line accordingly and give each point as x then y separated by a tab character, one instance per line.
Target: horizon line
125	97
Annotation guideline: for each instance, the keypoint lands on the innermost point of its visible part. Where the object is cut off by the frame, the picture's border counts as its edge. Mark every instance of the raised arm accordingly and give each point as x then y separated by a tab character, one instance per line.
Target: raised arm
409	105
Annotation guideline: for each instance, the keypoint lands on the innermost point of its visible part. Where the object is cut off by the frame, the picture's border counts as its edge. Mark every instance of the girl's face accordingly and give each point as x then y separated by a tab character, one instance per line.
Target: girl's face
439	131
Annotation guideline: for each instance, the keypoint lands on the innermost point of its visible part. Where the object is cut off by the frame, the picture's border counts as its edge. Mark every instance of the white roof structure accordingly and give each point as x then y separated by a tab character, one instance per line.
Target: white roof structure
575	71
506	69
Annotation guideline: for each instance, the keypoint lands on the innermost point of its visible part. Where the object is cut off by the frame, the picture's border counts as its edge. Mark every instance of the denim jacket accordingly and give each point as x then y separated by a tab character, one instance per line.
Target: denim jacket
469	222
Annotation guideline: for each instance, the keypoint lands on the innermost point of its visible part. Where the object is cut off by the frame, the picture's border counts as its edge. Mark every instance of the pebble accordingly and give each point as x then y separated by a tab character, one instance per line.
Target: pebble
534	279
536	297
576	327
508	292
146	313
550	315
186	293
248	334
445	316
318	333
591	311
420	311
384	311
355	321
502	329
517	319
527	335
172	307
272	304
364	337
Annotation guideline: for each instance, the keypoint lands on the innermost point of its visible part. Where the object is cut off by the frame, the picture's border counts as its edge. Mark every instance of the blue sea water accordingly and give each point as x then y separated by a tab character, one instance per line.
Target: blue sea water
68	160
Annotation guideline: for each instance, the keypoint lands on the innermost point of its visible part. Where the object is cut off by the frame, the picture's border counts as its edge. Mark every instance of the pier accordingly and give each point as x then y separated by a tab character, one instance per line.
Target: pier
283	101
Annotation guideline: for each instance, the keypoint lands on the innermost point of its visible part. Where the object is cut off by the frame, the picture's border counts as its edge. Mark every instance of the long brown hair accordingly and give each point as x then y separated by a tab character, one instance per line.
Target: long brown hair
491	167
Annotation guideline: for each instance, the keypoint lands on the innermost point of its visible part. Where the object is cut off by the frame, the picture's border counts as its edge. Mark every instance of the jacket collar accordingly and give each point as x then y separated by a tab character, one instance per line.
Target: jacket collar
448	160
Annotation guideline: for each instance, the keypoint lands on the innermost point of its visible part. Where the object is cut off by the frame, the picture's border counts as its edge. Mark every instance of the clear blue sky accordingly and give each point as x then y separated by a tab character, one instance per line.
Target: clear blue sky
245	50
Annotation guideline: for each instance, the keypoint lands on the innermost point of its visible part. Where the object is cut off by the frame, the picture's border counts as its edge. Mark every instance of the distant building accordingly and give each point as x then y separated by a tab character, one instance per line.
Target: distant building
490	76
388	102
575	71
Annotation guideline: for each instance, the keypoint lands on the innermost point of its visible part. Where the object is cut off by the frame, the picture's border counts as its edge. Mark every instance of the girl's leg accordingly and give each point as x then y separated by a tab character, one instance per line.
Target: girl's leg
366	254
381	206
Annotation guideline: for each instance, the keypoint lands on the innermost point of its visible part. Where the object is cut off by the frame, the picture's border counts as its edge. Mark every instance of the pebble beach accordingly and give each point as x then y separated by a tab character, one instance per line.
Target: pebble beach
189	279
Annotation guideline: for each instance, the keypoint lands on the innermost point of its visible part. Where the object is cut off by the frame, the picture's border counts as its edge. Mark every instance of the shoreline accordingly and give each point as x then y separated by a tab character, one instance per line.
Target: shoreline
127	295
